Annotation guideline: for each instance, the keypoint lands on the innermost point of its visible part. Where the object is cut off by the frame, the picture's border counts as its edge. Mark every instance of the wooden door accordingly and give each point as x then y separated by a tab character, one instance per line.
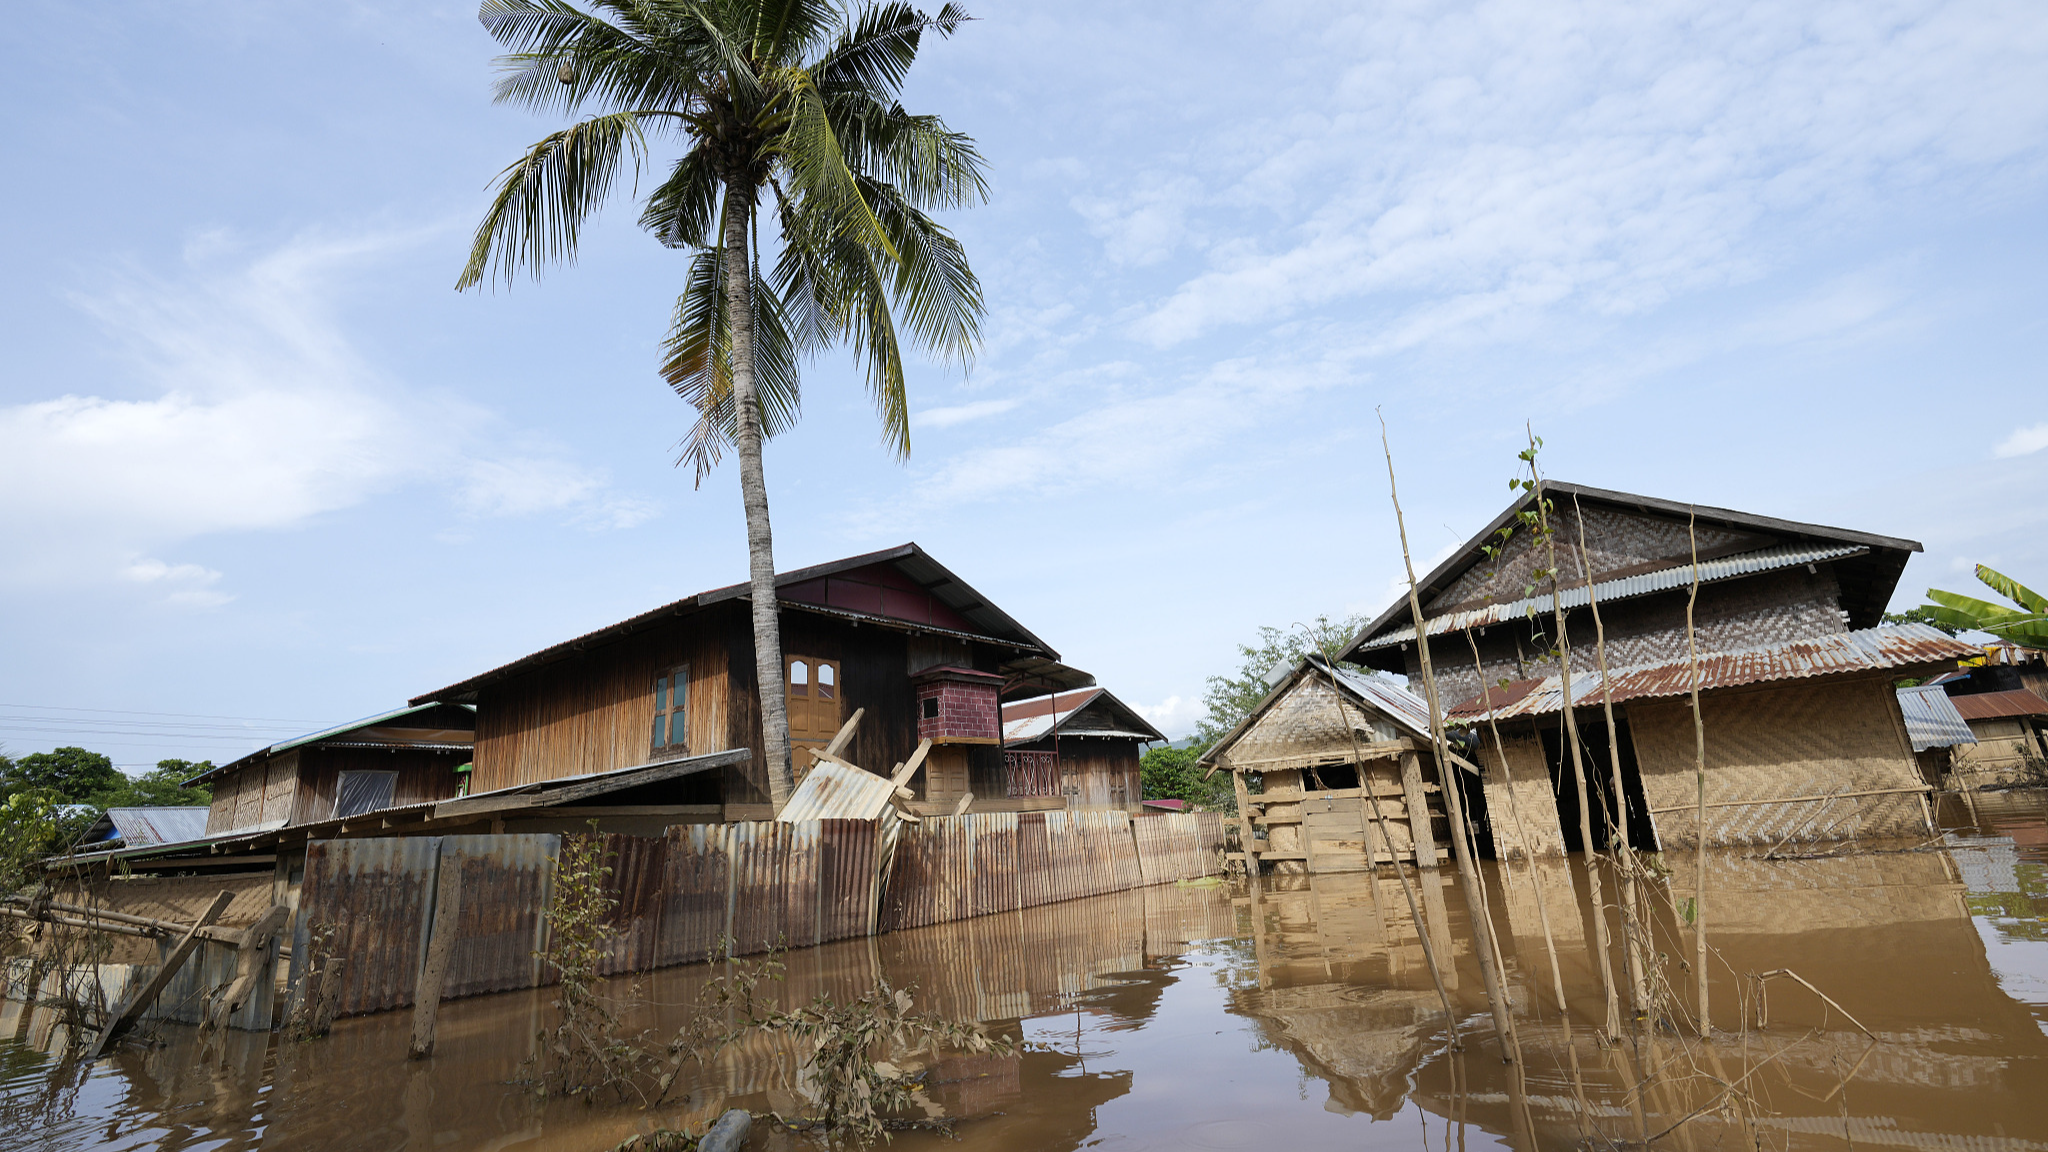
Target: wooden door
813	690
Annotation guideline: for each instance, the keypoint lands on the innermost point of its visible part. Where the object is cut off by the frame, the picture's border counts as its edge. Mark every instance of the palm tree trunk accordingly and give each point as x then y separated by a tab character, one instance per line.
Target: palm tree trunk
739	310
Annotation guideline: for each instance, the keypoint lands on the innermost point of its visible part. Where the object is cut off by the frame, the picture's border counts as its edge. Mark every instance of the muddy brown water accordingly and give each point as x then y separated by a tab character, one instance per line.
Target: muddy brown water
1299	1015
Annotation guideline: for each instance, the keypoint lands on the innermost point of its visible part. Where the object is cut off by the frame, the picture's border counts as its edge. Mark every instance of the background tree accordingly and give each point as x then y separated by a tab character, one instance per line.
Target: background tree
797	98
1230	699
2025	625
1923	614
1171	773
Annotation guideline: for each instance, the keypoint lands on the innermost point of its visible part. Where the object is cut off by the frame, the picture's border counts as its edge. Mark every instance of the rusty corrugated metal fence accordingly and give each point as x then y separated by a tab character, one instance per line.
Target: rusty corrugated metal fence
758	884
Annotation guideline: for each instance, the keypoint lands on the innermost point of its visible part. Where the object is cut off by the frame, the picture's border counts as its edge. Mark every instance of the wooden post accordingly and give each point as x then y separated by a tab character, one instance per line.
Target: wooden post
1419	831
180	952
252	950
426	1002
1246	835
330	994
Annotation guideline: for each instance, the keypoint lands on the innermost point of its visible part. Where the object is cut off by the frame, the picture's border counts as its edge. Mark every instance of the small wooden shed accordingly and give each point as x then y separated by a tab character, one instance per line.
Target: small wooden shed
1306	746
1082	745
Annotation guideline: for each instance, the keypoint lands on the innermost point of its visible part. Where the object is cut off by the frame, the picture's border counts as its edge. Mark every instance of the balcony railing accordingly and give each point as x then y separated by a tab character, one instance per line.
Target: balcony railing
1032	773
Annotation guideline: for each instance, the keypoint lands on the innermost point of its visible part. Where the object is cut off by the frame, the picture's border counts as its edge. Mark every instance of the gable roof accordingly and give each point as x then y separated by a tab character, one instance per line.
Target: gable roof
2005	705
1868	566
1405	709
1033	718
436	725
957	603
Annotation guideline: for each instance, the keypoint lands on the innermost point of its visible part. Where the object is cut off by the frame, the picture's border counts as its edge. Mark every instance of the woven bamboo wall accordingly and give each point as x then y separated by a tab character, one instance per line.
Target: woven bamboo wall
1524	818
1769	747
1303	727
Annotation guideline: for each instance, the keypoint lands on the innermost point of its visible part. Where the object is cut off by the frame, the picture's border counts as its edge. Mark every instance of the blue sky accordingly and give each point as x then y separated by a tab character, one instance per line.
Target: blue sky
262	469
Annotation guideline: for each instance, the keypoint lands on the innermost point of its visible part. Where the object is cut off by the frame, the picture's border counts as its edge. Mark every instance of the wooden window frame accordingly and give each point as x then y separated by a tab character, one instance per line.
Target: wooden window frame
671	712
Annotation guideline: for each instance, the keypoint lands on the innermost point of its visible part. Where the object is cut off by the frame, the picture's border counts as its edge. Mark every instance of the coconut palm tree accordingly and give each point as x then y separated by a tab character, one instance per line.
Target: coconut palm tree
783	109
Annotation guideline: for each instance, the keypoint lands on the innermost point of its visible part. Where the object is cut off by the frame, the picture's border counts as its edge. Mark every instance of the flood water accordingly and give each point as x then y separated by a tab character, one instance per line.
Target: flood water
1299	1014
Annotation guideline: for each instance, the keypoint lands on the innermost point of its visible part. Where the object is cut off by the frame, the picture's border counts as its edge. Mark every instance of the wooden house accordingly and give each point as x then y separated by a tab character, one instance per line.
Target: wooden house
1078	749
1804	737
410	756
1306	746
2009	739
893	634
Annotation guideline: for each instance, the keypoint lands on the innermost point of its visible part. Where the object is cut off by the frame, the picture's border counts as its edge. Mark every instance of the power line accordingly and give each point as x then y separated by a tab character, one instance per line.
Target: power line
174	715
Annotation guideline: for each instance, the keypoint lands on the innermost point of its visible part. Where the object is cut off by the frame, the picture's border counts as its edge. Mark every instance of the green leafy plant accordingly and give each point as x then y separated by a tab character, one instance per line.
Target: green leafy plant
2025	625
586	1052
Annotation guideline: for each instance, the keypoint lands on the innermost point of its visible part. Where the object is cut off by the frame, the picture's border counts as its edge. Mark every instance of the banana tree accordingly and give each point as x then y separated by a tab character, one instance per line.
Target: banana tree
779	111
2026	625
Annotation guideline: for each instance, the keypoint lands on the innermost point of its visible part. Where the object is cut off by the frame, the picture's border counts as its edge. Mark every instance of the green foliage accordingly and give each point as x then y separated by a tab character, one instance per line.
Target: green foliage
1923	614
1230	699
1173	774
584	1053
783	98
164	787
71	775
2025	625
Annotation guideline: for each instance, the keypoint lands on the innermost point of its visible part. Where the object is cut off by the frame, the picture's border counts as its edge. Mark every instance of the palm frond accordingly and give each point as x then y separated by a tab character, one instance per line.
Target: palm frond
697	363
544	197
784	29
819	177
680	211
938	293
1972	612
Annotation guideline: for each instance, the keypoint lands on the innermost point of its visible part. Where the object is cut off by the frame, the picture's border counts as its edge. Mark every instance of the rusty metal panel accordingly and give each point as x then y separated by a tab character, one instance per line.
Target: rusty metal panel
1034	864
374	896
910	881
1873	649
995	864
638	870
697	895
801	916
846	877
760	851
507	881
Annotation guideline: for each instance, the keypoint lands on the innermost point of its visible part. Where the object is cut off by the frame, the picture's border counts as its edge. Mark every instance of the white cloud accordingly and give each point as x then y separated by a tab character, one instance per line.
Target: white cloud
2023	441
247	408
960	414
1146	224
1174	715
182	585
1520	156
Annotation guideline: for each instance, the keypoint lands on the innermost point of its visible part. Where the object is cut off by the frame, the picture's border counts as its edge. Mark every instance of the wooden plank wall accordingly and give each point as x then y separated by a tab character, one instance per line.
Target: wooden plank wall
596	713
423	775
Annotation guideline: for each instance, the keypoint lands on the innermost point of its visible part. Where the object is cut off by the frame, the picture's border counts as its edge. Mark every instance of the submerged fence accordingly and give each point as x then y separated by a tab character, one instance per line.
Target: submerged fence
758	884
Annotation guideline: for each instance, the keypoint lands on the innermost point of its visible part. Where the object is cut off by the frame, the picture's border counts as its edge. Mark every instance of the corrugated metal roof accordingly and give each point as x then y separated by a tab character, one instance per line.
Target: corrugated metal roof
1872	649
835	792
1999	705
337	730
1641	584
1931	721
1033	718
144	827
1399	704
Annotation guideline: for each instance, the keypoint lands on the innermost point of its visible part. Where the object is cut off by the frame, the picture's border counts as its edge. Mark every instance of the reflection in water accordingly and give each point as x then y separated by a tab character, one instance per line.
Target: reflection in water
1298	1013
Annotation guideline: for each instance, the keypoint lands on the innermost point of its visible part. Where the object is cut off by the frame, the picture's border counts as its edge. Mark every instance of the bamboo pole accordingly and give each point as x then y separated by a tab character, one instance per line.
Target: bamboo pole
1699	740
1371	795
1620	849
1468	869
1507	776
1602	943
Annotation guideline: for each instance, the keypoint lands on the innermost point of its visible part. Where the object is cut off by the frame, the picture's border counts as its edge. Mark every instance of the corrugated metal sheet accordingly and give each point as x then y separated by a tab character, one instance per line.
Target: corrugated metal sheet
1999	705
506	883
375	895
835	792
1931	721
1395	702
1642	584
141	827
1872	649
1177	846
